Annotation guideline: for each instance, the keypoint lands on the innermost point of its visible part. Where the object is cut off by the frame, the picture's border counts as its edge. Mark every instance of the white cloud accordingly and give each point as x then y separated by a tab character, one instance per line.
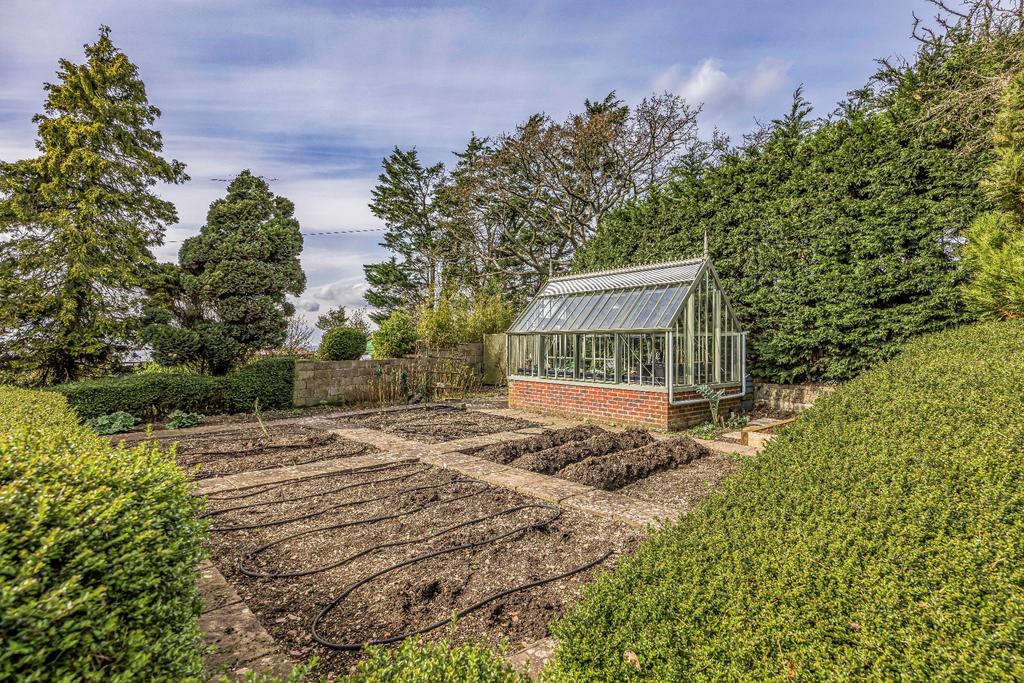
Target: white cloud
720	92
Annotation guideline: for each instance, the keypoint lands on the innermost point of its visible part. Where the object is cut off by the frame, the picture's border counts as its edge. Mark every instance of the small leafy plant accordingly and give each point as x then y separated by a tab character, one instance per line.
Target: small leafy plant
179	419
705	430
736	421
114	423
713	396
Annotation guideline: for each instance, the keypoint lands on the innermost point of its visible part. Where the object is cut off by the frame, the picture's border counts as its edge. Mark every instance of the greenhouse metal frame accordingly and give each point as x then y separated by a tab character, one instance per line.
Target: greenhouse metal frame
660	327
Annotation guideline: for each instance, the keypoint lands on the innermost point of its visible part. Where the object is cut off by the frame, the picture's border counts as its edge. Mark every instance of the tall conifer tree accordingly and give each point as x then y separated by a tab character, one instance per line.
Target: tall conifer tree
77	222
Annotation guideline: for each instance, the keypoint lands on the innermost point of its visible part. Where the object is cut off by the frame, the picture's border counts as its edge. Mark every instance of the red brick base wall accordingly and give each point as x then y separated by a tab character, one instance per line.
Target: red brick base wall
611	404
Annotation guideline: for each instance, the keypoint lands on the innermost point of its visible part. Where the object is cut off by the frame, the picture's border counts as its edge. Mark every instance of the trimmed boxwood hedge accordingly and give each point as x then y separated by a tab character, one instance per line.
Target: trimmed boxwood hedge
415	661
98	548
270	380
880	537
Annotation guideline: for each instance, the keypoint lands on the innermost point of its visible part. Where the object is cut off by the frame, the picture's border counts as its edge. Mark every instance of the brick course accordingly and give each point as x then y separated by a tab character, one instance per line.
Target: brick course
612	404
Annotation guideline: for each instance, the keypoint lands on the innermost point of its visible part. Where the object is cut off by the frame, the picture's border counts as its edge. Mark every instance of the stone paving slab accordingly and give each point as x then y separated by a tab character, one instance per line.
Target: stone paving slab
239	643
477	441
276	475
531	659
621	508
214	590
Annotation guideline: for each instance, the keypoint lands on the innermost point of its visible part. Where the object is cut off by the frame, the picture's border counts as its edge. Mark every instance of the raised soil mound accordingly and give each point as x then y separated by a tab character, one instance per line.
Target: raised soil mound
553	459
615	470
505	453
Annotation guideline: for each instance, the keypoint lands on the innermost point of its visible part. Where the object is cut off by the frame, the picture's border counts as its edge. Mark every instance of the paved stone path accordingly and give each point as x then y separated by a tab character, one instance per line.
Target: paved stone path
241	642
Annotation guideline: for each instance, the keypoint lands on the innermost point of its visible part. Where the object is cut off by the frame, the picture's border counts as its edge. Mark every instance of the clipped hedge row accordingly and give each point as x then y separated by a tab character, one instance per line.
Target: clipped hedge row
98	547
270	380
416	661
880	537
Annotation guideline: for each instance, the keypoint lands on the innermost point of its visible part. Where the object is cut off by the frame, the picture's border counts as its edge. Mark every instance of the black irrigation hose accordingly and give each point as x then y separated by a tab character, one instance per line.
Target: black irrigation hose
267	447
315	494
366	551
273	487
441	622
278	522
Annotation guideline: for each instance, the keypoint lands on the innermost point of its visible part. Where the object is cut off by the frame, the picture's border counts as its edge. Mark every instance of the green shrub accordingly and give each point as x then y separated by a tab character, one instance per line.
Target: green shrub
115	423
342	343
98	548
181	420
270	380
396	336
879	537
415	661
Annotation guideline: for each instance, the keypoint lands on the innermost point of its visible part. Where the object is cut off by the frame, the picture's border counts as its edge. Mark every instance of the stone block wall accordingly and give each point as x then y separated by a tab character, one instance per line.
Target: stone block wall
788	397
354	381
611	404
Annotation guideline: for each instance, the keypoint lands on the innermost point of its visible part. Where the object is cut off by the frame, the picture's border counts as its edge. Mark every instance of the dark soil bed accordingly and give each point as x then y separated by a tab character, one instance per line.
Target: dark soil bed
683	487
418	501
622	467
554	459
247	449
437	424
595	456
505	453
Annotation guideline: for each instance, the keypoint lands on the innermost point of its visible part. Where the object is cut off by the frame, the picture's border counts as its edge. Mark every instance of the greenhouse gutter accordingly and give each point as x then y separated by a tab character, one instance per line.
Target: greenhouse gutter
692	401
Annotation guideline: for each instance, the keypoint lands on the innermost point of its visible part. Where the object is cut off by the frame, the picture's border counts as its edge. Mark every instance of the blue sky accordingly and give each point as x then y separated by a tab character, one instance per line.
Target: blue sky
316	93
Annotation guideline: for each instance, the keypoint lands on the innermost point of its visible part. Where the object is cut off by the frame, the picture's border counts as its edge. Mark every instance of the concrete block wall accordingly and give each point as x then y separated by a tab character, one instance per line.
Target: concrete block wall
611	404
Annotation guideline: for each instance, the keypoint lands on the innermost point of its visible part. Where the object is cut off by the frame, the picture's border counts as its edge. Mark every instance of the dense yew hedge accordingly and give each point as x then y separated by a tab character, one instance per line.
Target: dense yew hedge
98	548
880	537
836	239
270	381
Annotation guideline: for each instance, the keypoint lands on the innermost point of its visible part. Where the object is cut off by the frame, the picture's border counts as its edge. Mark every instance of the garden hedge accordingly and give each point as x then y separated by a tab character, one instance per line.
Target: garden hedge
270	380
98	548
415	661
880	537
343	343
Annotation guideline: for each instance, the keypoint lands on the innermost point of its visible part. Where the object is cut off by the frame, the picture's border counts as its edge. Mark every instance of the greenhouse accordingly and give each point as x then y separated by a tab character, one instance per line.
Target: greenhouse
665	328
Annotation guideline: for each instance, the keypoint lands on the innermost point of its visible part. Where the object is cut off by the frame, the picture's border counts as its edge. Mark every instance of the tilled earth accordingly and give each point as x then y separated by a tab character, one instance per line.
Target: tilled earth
683	487
437	424
341	528
596	457
247	449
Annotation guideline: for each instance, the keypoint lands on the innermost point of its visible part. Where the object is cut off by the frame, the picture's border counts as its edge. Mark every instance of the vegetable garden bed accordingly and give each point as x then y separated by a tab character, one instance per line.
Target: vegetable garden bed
437	424
373	554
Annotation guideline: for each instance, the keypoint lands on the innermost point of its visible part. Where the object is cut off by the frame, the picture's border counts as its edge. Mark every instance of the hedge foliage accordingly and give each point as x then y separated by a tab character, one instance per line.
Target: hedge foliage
343	343
880	537
415	661
836	238
395	337
98	548
271	381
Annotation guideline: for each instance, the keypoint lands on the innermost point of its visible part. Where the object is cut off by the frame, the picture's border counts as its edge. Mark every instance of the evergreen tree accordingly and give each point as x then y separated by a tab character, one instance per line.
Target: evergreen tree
336	317
406	199
994	251
77	222
229	296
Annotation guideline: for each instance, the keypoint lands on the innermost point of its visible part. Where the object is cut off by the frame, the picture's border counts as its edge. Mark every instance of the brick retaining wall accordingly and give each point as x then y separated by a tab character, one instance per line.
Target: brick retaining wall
611	404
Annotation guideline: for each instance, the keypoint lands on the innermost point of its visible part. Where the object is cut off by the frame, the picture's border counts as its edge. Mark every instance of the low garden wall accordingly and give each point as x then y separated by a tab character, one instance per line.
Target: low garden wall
441	372
612	404
788	397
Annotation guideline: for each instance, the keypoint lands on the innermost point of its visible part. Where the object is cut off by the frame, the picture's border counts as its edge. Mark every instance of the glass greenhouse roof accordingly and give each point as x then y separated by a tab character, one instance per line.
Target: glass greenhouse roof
639	298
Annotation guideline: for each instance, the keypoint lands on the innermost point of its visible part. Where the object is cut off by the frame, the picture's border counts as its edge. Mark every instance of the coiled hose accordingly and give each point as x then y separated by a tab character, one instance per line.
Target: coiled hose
556	512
